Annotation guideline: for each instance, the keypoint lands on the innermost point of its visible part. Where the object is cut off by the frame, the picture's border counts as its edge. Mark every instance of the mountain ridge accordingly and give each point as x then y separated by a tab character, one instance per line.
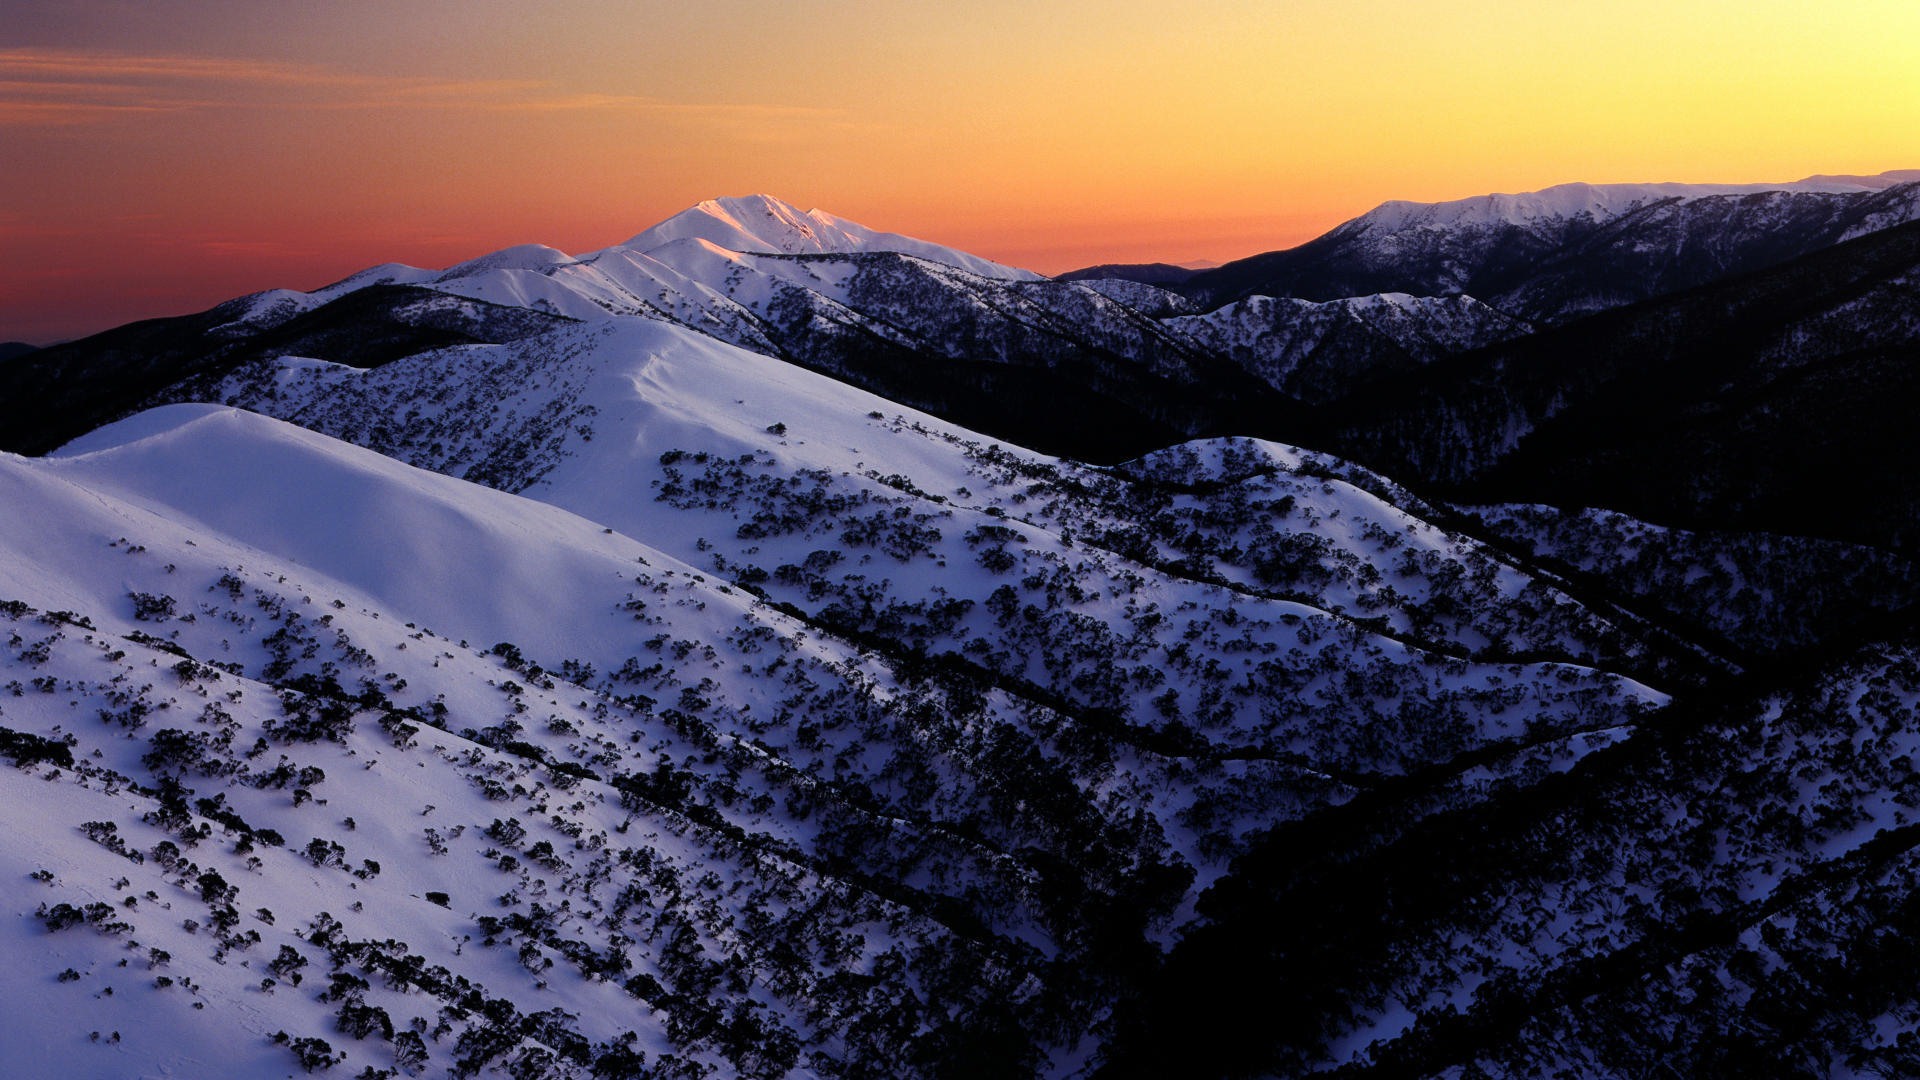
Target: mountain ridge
1487	246
824	668
668	664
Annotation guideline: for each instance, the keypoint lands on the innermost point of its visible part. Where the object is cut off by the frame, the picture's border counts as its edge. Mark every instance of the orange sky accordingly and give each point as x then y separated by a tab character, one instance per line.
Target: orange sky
162	157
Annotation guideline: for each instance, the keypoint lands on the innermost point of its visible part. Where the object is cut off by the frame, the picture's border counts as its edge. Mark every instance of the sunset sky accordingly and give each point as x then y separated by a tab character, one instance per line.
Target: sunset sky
161	157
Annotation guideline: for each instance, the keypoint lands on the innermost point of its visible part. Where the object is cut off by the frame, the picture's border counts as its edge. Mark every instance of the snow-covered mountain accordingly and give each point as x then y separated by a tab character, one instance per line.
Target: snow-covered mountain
773	729
1727	896
1566	202
688	266
1569	250
1778	401
1323	351
1100	369
764	225
661	662
999	349
927	326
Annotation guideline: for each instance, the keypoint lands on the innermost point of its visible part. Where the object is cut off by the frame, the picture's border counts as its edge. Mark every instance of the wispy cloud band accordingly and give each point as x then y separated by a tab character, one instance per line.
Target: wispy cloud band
52	86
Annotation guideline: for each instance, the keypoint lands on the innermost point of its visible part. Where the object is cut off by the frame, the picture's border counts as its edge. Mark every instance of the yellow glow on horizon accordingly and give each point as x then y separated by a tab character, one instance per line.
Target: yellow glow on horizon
1048	135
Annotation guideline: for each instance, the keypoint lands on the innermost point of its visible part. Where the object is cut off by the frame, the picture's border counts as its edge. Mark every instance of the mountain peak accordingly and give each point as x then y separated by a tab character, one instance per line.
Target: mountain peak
765	225
538	257
760	224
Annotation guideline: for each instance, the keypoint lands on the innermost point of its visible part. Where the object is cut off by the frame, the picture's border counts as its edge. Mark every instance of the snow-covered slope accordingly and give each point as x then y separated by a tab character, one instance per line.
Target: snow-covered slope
918	323
1666	246
1097	369
581	686
523	791
1727	899
1563	251
1323	351
262	775
1764	592
584	417
1563	202
1766	401
749	467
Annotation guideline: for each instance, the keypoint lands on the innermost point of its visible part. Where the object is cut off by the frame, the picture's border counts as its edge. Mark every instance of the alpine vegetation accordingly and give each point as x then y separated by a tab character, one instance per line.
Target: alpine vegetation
770	647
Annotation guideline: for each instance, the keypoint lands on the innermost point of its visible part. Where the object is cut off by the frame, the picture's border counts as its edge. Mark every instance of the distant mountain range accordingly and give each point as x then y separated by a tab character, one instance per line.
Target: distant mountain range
1337	342
1565	251
1772	400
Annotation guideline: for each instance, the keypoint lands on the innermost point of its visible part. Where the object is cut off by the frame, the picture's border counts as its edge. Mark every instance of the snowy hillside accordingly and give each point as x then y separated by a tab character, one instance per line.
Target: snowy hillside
1776	401
946	719
1320	352
678	661
1099	369
1561	252
921	324
1728	895
625	424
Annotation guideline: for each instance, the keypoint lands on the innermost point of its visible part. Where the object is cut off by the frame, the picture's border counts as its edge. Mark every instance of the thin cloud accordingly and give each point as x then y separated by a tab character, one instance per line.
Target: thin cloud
51	65
70	112
45	86
638	103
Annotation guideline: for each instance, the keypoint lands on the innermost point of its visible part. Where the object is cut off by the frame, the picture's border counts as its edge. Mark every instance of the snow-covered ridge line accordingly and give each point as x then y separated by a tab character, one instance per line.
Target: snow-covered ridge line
679	268
1599	201
593	748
